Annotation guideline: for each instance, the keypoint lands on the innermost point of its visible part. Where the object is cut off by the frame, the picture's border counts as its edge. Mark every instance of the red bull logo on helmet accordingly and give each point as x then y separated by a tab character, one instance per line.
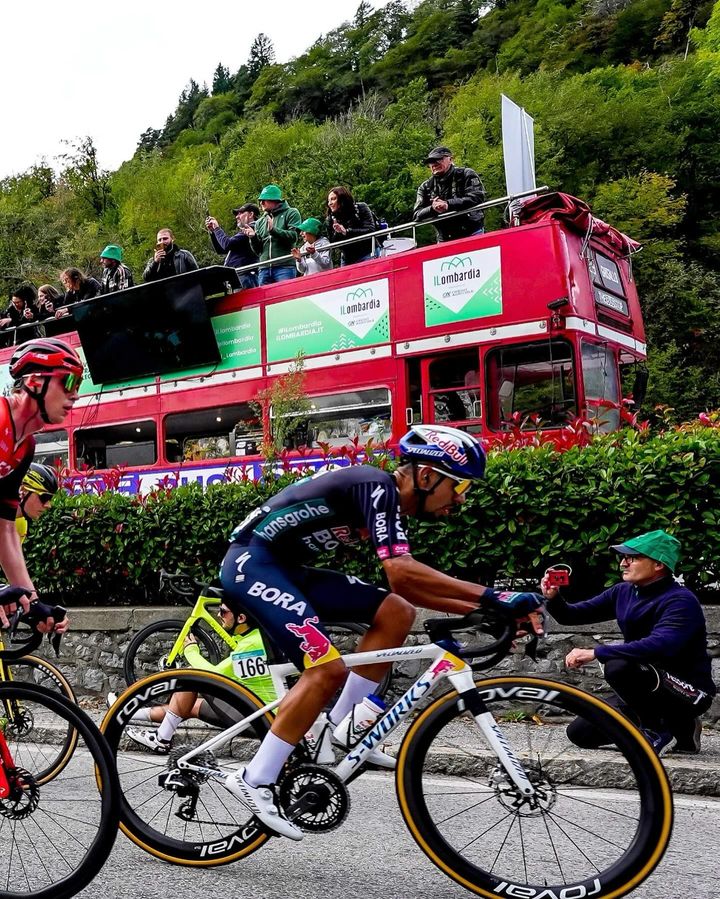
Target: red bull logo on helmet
316	646
449	446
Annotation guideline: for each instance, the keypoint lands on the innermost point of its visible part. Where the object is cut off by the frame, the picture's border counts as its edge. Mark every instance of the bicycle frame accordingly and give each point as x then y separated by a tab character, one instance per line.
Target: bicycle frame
443	664
199	612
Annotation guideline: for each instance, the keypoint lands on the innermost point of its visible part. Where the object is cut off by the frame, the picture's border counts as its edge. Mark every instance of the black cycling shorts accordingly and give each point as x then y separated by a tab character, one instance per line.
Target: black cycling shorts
290	602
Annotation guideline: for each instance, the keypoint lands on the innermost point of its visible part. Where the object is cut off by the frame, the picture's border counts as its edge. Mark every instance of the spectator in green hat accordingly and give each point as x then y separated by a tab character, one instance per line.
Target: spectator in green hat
661	674
312	257
116	275
278	229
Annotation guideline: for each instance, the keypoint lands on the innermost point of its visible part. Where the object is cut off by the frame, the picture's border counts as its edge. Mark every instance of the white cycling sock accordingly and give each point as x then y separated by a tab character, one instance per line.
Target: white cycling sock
168	726
267	762
355	690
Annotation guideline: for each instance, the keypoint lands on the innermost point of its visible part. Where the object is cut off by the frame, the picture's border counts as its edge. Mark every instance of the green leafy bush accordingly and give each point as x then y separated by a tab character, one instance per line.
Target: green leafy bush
537	506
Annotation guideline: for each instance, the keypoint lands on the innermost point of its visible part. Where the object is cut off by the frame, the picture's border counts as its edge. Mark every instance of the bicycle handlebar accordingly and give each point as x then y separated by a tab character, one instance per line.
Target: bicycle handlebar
38	613
489	619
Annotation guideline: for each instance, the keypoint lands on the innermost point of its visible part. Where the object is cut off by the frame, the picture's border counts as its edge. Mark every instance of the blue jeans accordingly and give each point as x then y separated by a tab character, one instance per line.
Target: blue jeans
248	280
275	274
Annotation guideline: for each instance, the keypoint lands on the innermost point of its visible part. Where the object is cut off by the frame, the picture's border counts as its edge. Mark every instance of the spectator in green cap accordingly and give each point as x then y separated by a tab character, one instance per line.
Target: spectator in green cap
661	674
116	275
314	255
277	229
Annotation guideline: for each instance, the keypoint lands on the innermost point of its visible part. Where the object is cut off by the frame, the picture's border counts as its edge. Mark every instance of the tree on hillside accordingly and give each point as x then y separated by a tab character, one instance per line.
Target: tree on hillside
262	53
222	82
83	175
191	97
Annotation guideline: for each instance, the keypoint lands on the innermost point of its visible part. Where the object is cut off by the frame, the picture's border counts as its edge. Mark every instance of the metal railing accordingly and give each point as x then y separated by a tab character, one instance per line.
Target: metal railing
64	325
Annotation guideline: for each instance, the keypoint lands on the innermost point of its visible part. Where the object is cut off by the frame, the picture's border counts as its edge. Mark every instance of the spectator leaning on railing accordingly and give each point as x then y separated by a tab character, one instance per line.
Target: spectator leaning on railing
116	275
242	248
50	302
78	286
168	259
347	219
22	308
450	188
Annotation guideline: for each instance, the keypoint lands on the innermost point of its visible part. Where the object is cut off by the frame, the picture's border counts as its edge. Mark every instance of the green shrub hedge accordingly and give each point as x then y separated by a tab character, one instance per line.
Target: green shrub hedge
537	506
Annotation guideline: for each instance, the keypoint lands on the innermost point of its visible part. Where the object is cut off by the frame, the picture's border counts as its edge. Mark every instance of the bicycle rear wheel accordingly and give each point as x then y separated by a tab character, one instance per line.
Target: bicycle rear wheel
598	825
148	650
195	820
53	752
56	836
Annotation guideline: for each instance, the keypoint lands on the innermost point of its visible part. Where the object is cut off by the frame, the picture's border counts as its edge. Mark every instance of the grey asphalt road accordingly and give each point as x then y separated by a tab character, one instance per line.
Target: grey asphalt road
372	856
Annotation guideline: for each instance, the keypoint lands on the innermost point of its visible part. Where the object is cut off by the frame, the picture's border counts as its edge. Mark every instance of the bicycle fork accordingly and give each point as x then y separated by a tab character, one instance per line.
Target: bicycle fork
471	701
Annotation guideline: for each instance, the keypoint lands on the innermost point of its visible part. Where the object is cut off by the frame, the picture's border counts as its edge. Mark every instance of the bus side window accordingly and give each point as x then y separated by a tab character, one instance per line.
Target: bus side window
131	443
526	380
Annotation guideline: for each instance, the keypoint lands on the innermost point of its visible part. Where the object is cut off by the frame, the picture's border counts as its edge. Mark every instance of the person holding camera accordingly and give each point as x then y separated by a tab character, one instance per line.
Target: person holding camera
314	255
278	230
661	675
241	248
168	259
50	303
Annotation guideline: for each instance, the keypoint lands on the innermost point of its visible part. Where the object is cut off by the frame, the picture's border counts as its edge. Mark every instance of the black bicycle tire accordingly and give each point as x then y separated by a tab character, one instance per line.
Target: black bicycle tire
627	872
208	646
191	853
108	790
65	689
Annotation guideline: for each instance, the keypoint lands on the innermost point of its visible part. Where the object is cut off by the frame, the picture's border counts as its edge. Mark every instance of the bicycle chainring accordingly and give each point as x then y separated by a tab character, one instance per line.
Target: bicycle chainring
314	798
24	795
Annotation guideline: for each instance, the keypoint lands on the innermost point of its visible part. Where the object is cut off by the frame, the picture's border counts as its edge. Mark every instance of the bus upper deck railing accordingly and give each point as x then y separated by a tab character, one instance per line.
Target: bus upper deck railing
53	326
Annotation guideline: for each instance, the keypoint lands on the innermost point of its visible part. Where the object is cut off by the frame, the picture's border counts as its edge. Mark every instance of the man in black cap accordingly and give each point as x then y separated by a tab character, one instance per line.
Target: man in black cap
450	188
242	248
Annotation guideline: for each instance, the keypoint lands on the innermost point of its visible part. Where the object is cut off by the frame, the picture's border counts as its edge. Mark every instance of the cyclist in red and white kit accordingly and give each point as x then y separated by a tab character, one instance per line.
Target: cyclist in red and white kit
263	574
47	374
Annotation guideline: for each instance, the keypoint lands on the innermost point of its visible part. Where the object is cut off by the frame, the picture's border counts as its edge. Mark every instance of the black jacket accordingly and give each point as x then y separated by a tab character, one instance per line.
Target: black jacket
461	188
360	221
239	248
176	262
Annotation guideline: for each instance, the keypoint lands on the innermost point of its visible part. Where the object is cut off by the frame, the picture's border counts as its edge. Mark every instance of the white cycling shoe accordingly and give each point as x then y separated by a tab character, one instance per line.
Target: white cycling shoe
149	739
261	802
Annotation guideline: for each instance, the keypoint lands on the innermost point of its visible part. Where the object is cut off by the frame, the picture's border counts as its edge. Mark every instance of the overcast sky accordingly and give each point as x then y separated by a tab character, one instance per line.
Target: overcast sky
112	69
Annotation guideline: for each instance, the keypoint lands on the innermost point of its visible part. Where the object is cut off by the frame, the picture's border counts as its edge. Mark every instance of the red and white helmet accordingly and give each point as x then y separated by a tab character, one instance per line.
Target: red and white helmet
44	355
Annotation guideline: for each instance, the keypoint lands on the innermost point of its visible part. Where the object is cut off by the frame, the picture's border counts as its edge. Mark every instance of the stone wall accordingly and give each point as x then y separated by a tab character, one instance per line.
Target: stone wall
92	651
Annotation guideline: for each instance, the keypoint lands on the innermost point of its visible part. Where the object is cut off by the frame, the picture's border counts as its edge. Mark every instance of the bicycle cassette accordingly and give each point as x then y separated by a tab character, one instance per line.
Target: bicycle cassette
314	798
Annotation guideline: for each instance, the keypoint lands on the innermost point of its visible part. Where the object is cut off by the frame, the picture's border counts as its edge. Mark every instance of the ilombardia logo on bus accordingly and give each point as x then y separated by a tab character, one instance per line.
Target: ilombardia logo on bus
455	277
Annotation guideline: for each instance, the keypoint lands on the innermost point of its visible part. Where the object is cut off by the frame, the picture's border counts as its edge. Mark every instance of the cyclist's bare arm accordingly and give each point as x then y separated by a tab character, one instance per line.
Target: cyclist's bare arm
15	570
428	588
11	556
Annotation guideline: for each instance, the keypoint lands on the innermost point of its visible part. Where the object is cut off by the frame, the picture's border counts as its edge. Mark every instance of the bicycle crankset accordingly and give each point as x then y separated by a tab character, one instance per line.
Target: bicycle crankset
314	798
510	796
24	795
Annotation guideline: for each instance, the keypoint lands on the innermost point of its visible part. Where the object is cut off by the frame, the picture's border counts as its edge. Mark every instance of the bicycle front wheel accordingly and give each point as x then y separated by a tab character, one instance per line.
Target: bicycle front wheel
185	816
51	753
597	825
56	836
148	650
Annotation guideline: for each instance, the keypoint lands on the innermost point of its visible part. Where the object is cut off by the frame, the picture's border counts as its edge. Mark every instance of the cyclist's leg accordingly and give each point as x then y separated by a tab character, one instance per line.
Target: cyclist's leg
389	615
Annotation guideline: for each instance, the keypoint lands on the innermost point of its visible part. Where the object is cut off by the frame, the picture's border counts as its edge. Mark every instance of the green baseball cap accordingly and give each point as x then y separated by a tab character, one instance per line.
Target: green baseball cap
657	545
311	225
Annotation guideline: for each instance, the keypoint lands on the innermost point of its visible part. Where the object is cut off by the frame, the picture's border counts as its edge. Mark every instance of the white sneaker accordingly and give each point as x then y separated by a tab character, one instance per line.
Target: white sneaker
261	802
111	699
149	739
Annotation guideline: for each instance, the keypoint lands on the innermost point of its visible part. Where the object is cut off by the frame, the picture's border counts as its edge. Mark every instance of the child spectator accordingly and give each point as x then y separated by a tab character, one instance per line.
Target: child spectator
311	258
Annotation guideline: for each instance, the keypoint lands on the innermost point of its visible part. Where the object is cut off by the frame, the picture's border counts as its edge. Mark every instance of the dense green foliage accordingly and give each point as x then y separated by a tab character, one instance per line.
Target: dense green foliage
626	104
537	507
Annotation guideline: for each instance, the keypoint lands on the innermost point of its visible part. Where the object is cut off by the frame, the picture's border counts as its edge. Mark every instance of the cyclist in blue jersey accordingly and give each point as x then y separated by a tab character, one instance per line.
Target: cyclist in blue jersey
264	574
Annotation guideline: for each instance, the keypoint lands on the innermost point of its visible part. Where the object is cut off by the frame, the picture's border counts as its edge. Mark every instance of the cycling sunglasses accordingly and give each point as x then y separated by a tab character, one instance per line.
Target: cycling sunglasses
462	485
45	497
71	382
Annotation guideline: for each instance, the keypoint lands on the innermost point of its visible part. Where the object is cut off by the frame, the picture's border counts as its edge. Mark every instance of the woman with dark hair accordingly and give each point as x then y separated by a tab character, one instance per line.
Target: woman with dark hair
78	286
346	219
22	309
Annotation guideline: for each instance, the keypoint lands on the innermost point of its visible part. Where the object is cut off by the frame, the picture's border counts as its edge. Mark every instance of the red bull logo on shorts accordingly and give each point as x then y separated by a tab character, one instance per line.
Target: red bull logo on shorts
316	646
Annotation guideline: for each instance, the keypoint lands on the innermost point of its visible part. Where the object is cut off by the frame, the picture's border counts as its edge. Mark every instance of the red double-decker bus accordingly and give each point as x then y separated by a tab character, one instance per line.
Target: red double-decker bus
534	320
